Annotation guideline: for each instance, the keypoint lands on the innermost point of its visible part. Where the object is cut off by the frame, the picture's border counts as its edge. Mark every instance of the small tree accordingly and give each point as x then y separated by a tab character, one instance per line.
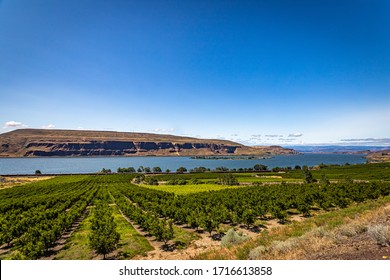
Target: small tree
103	237
209	223
324	181
260	167
248	217
157	169
168	232
140	169
181	169
228	180
147	169
38	172
105	171
307	176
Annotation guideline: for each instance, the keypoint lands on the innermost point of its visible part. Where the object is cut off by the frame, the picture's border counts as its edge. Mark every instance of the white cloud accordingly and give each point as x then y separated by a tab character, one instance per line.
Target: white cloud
49	126
366	141
273	135
14	124
297	134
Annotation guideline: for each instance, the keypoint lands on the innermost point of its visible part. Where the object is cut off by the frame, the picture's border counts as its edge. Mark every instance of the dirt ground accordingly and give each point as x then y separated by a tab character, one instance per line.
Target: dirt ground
359	247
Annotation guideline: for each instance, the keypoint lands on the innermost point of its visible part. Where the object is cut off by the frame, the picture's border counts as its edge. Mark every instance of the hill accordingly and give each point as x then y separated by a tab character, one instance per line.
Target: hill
44	142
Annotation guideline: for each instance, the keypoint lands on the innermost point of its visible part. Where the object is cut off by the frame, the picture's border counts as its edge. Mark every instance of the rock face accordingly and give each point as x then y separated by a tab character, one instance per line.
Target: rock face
42	143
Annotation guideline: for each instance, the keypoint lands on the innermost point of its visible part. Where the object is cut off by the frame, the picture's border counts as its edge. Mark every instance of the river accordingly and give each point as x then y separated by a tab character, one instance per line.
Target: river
79	165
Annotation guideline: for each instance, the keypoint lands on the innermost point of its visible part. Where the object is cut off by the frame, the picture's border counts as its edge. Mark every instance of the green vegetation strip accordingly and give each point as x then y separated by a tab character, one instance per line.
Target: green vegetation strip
189	189
131	243
77	246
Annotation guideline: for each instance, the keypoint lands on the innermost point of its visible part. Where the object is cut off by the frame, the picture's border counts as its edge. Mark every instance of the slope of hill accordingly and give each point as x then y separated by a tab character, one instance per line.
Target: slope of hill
43	142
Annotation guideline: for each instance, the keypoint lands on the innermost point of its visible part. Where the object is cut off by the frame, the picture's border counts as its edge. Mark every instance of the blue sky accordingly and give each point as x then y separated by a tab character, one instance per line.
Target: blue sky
256	72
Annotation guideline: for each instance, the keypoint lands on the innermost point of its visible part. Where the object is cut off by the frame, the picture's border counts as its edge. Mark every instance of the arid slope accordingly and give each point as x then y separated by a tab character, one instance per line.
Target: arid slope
43	142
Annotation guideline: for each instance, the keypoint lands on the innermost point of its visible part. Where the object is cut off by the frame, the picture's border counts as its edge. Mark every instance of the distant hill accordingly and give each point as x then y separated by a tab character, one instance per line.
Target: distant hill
44	142
338	149
379	156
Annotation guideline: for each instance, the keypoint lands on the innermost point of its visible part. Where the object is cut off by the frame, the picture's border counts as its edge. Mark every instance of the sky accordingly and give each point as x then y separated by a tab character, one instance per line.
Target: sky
265	72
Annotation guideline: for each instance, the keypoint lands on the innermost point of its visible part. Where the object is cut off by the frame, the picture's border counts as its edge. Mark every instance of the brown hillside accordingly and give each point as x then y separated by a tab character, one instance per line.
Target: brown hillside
44	142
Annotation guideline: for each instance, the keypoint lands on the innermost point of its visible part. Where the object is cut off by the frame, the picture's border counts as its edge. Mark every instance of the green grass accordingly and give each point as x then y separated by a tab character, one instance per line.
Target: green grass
183	237
77	247
131	243
189	189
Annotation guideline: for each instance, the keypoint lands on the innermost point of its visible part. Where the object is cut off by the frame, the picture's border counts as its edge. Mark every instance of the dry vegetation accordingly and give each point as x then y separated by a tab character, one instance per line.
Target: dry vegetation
9	182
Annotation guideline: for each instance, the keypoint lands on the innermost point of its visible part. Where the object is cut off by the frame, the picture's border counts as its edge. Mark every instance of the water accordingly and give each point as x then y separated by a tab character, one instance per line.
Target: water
80	165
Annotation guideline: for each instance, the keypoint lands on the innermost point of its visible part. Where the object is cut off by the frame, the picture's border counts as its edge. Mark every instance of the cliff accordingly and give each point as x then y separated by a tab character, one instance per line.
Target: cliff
43	142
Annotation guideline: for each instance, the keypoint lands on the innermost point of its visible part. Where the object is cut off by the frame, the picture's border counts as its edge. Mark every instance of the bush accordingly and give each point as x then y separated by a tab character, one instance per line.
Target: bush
232	237
255	254
380	233
260	167
228	180
285	246
352	229
181	170
151	181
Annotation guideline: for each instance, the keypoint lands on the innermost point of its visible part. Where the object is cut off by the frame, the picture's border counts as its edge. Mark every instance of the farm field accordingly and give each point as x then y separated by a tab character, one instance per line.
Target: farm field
192	215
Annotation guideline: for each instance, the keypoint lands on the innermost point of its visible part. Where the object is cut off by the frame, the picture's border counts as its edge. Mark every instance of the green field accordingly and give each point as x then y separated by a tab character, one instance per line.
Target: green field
190	189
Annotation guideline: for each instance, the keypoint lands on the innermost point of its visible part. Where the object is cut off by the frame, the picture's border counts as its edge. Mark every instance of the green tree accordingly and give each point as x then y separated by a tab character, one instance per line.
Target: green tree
147	169
248	217
181	170
103	237
324	180
307	176
260	167
105	171
38	172
157	169
140	169
228	180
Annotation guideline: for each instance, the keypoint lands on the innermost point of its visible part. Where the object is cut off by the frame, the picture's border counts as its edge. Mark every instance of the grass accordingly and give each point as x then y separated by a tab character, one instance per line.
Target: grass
189	189
183	237
77	247
131	243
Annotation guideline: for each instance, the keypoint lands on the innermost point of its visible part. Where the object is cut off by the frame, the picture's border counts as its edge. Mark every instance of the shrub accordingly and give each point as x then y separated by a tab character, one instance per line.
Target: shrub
228	180
151	181
232	237
380	233
255	254
285	246
352	229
